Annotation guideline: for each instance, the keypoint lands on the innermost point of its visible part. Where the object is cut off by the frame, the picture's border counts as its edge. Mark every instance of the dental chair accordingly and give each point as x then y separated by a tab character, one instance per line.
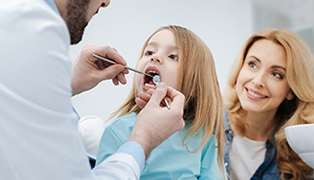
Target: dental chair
91	129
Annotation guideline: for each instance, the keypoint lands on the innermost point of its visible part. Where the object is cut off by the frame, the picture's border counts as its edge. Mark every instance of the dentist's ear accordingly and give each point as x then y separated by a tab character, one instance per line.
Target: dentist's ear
290	95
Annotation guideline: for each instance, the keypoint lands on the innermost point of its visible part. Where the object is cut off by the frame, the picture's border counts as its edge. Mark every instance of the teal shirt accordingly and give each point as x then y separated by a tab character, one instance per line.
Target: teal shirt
170	160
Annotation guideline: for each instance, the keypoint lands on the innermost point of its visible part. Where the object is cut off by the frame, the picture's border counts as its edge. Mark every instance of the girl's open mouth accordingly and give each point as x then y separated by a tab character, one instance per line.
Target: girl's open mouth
148	81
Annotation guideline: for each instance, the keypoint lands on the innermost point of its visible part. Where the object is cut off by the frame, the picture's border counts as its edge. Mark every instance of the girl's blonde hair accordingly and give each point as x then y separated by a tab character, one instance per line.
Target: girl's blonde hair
197	80
300	77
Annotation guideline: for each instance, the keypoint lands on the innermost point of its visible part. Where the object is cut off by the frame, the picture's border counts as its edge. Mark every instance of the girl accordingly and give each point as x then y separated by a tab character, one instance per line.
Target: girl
270	87
184	62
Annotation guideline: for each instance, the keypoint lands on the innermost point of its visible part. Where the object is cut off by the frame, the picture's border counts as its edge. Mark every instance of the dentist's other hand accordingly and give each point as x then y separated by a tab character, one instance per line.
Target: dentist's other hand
155	123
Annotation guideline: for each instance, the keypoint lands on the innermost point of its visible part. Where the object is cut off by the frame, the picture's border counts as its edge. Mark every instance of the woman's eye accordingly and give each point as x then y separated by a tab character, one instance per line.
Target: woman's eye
277	75
172	56
149	53
252	65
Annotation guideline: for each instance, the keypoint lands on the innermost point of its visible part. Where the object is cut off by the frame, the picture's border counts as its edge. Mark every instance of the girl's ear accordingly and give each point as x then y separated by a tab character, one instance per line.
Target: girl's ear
290	95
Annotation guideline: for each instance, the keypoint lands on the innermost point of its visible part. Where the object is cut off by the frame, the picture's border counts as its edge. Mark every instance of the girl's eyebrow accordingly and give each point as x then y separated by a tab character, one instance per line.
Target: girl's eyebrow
152	44
173	48
273	66
156	44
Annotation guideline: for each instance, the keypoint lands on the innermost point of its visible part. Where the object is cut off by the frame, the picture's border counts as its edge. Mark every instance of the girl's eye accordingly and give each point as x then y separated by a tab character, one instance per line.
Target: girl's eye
277	75
149	53
172	56
252	64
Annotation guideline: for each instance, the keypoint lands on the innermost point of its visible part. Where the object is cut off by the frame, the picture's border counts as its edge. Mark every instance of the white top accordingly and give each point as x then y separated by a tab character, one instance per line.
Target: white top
246	156
39	139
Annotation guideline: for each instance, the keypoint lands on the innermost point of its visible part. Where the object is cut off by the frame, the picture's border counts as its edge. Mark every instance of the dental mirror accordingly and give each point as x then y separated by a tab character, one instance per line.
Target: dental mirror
156	80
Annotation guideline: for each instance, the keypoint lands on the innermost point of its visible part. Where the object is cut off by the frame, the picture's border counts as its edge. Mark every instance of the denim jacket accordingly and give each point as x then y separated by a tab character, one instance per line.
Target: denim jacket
268	169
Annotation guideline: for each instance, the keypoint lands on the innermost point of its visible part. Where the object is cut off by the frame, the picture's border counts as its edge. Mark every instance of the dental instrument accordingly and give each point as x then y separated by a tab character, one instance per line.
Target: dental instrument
126	67
156	78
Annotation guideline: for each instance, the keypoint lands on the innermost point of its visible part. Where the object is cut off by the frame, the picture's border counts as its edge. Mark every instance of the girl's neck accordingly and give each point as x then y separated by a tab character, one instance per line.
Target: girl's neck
260	125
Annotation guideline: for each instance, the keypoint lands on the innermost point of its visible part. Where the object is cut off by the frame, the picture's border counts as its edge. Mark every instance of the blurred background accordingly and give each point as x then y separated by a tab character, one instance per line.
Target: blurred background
223	25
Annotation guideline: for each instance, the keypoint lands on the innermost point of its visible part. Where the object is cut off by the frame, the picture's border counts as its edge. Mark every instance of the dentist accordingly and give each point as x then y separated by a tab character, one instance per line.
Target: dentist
38	133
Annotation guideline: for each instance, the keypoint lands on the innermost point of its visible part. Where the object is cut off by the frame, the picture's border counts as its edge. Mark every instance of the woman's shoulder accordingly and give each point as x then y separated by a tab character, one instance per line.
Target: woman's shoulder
226	119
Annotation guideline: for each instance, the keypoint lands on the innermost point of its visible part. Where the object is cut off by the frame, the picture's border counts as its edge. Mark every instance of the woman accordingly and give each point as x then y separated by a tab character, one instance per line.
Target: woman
270	87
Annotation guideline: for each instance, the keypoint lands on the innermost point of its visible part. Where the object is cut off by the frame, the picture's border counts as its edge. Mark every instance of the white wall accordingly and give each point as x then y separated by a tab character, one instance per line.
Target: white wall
283	14
223	25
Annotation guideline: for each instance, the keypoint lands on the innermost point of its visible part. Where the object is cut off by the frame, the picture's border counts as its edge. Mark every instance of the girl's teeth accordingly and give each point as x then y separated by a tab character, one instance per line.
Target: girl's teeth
256	95
150	85
151	71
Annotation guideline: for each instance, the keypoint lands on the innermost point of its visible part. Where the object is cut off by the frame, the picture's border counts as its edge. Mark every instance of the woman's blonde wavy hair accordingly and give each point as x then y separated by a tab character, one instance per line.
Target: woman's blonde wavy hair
197	80
300	77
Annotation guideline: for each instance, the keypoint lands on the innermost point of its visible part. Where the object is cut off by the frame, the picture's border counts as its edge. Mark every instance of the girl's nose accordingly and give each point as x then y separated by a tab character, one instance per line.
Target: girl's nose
156	58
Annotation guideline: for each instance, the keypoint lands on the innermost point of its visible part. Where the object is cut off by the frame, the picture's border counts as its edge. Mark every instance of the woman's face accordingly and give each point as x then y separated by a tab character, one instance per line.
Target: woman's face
262	85
159	58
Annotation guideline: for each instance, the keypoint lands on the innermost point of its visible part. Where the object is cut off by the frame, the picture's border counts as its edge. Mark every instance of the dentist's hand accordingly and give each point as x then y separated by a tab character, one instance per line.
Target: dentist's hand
155	123
88	71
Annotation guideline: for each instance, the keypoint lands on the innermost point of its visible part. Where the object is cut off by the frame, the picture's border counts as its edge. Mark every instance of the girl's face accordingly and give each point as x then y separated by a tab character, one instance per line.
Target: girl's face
262	85
159	58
